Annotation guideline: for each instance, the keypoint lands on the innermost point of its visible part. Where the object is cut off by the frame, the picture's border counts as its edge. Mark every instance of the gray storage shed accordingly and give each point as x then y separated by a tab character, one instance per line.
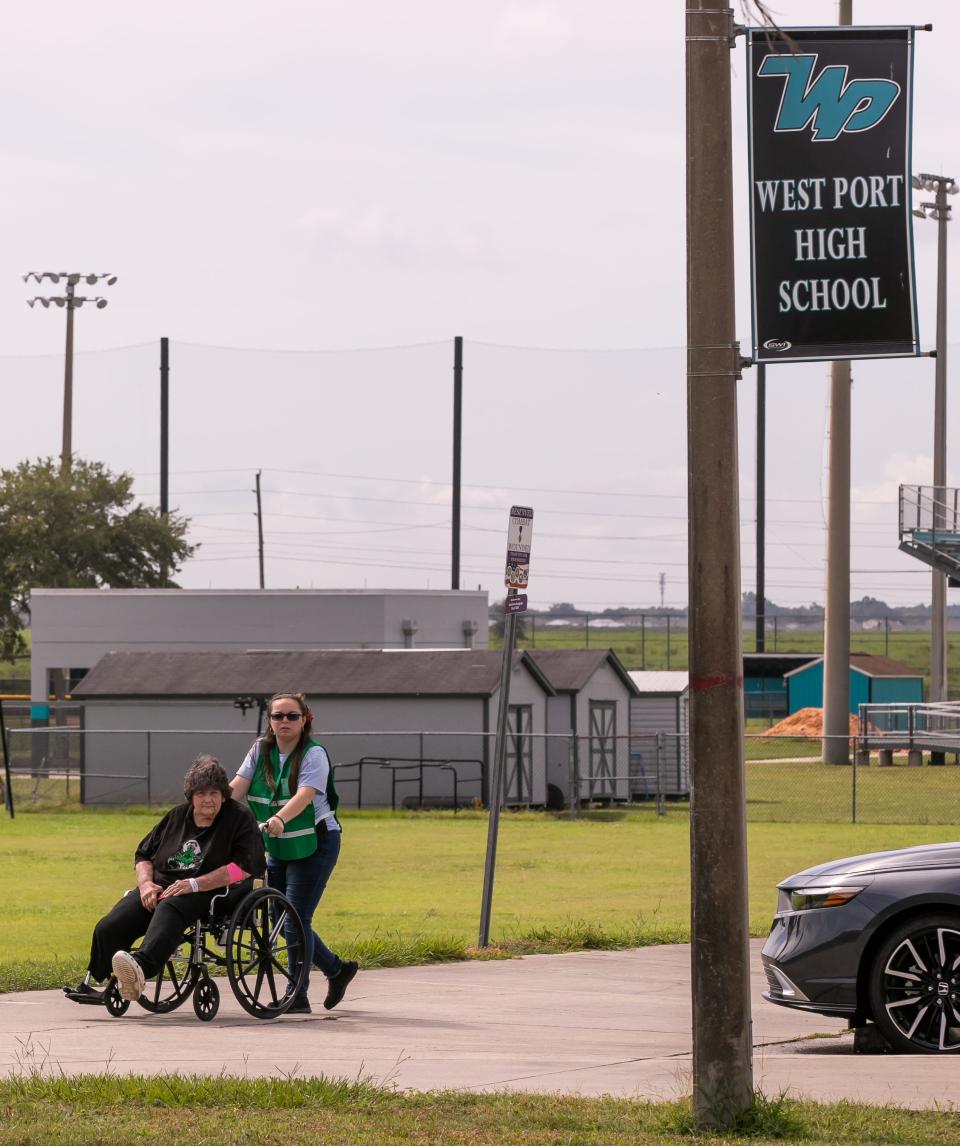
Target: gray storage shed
659	728
401	727
589	720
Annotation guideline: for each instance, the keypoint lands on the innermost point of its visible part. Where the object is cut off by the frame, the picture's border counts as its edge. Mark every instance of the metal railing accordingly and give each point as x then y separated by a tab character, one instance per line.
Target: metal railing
928	509
416	766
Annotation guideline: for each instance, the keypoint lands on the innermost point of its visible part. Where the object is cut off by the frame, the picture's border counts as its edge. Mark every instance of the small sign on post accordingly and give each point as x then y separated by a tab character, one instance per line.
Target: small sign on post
519	534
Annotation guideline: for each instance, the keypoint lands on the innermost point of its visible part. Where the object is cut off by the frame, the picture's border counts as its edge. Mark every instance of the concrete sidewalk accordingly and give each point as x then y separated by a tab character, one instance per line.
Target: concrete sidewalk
585	1023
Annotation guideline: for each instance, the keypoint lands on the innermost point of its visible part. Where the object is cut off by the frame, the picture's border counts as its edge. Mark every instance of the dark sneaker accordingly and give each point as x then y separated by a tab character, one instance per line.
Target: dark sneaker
299	1006
84	993
337	984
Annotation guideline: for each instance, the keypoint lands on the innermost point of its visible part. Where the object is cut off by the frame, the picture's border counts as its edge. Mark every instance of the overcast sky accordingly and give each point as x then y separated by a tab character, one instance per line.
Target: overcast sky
278	184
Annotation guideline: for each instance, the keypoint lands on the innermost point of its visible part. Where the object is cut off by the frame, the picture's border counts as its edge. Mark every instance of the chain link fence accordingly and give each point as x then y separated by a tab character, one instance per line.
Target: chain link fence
786	779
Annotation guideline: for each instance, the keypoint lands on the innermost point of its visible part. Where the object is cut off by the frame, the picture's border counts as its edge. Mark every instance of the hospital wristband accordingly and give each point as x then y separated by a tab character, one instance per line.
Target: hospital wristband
194	886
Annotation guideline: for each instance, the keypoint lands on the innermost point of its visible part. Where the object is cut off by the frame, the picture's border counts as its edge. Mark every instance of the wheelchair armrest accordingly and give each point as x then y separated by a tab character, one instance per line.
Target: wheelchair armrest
215	900
223	903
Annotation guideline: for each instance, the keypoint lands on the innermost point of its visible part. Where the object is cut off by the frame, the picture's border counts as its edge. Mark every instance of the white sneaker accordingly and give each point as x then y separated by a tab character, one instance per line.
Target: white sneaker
129	975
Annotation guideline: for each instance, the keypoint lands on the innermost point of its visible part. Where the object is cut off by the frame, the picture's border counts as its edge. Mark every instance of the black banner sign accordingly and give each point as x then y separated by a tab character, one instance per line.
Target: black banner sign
830	199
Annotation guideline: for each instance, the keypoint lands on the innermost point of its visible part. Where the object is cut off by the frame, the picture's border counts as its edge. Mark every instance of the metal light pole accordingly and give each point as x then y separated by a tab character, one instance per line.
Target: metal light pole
939	209
72	301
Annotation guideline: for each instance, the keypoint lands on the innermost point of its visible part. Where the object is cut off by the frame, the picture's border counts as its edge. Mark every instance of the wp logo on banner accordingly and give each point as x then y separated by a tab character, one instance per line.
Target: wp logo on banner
830	104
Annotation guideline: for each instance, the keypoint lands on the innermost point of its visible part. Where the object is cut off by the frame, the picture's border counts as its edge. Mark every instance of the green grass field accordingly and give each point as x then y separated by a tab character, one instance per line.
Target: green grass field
408	885
106	1108
650	649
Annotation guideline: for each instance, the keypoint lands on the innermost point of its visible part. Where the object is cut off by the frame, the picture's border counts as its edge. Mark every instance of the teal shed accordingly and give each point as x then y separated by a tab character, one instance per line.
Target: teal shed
873	680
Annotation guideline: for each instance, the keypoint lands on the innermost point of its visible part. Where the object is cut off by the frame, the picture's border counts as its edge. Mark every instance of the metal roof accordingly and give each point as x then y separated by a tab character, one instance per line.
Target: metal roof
660	681
869	665
463	672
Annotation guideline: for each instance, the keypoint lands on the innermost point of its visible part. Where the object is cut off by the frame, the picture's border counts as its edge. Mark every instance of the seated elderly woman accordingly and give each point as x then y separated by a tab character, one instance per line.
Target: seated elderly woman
199	847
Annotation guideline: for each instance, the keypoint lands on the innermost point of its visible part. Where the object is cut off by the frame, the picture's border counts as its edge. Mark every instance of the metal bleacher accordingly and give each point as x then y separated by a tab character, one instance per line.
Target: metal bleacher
922	727
930	527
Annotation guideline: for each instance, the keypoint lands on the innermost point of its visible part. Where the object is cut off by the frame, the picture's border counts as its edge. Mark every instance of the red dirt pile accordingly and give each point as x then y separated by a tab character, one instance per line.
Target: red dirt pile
806	722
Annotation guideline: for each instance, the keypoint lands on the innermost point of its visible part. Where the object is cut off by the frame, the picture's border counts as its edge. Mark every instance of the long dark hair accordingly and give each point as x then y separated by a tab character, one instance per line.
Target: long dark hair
269	740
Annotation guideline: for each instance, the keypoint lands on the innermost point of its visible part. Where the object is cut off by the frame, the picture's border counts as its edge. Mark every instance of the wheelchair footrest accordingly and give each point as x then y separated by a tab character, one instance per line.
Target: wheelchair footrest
84	994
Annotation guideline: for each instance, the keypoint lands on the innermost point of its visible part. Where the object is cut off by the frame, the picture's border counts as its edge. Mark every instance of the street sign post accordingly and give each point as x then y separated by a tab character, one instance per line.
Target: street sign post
519	534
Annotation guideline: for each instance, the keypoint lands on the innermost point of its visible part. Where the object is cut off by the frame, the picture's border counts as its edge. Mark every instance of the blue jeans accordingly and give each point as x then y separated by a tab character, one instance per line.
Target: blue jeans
302	882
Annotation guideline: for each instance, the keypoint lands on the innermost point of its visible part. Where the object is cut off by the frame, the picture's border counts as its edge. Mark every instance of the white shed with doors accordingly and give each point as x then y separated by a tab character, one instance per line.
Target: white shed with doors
588	749
659	740
402	728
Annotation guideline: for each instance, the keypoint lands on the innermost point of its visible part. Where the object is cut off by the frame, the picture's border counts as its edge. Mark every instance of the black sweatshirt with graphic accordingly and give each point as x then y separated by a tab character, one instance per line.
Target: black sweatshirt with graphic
179	849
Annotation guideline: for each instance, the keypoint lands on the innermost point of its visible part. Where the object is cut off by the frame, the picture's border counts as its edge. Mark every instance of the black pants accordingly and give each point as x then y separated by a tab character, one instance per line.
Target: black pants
162	930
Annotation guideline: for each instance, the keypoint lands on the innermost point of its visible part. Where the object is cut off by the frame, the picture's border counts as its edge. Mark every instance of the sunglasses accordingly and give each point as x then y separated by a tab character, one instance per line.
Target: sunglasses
293	716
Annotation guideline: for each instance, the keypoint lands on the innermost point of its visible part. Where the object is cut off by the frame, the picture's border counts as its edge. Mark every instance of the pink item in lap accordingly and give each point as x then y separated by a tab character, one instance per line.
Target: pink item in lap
235	872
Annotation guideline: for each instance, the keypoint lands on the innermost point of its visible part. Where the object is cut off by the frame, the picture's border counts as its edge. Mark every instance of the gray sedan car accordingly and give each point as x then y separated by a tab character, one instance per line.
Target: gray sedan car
874	938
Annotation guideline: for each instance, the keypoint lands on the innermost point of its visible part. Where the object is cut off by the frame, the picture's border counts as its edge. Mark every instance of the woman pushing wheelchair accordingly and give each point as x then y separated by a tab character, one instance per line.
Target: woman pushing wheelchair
288	780
198	849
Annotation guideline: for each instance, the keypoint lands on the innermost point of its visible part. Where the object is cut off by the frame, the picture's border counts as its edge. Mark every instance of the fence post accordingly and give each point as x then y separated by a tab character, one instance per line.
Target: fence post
853	793
661	805
149	767
668	642
643	641
8	787
572	770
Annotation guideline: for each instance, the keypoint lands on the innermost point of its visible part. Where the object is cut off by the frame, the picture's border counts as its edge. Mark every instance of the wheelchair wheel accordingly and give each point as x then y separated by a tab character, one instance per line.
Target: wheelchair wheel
265	951
175	983
112	999
206	999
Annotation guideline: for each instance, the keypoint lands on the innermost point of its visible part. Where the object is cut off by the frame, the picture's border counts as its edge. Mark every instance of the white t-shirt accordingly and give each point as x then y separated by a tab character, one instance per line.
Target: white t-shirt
314	771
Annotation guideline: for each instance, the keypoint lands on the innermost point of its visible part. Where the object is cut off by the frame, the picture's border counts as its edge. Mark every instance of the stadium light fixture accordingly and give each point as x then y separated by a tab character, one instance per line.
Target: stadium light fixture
71	301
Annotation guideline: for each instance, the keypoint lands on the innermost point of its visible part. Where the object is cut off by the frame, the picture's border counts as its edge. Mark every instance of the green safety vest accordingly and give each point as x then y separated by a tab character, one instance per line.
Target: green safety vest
299	838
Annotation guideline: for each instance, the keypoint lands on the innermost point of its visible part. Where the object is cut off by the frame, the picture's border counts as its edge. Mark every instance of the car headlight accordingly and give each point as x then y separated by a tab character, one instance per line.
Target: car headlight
806	898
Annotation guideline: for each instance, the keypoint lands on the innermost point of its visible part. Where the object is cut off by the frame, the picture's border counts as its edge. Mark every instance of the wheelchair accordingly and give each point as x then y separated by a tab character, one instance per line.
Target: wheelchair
245	935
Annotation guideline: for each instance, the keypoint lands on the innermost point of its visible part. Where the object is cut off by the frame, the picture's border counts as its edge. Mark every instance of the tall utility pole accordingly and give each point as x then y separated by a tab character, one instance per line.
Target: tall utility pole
722	1050
165	433
836	625
939	209
164	426
457	435
259	528
71	301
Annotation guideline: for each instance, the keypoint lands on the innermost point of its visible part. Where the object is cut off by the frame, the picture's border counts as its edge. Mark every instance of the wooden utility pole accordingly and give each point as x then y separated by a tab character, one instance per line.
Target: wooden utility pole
836	621
259	528
722	1031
